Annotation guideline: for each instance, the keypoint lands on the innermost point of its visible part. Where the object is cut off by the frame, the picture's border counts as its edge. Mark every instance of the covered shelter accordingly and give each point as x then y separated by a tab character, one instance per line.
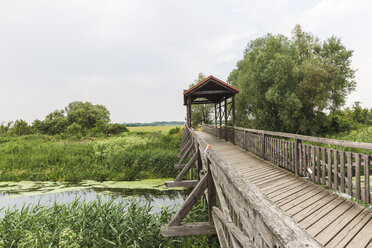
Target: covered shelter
212	91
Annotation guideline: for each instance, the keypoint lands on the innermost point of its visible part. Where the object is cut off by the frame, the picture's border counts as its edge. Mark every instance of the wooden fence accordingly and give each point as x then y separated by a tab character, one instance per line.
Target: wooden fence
241	215
345	171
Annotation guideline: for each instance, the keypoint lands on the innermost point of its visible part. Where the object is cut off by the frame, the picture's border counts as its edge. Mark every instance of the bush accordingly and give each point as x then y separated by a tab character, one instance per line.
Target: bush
74	130
117	128
175	130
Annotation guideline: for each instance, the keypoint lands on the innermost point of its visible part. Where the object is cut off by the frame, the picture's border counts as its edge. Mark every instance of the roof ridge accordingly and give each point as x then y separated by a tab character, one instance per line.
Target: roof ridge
205	80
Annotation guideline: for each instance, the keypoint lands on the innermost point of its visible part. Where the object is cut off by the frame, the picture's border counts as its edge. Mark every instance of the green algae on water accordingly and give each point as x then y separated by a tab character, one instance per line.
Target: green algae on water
30	188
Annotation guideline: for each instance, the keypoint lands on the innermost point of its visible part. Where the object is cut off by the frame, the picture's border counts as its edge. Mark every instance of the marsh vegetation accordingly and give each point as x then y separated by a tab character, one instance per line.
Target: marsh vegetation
96	224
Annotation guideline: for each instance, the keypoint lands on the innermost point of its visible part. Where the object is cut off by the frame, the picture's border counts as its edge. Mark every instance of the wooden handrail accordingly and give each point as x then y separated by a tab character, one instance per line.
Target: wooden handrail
344	171
280	229
353	144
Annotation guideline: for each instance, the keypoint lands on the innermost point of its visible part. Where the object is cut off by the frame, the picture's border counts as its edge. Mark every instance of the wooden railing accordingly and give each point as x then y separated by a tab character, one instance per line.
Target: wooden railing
345	171
241	215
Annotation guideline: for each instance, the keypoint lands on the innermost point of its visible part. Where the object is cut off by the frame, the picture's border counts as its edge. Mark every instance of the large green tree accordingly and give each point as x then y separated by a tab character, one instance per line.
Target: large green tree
86	114
55	122
287	84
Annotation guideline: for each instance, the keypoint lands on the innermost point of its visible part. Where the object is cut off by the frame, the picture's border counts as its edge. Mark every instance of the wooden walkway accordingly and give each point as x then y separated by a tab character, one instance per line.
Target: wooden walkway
331	219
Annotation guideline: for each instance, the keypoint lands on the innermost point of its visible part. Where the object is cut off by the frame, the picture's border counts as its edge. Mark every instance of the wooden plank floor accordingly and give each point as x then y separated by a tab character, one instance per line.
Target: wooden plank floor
333	220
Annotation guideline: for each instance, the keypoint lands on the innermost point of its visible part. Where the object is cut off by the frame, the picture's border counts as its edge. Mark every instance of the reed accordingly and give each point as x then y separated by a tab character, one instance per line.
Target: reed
98	223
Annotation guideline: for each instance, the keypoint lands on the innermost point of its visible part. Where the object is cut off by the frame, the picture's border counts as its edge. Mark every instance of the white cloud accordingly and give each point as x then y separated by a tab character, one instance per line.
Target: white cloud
136	57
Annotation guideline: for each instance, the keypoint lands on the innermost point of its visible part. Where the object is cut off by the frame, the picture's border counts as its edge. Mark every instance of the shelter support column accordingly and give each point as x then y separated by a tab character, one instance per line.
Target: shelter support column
233	117
220	116
215	114
226	113
189	111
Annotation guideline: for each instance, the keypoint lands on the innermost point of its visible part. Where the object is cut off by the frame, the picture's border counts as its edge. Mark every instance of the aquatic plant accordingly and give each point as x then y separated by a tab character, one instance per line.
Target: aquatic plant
95	224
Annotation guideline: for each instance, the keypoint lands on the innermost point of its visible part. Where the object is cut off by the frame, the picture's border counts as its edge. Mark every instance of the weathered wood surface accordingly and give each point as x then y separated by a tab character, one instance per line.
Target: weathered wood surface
260	197
200	228
183	183
344	171
243	216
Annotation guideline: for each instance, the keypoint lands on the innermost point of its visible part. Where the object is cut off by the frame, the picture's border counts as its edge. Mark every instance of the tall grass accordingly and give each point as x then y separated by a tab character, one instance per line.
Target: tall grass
95	224
125	157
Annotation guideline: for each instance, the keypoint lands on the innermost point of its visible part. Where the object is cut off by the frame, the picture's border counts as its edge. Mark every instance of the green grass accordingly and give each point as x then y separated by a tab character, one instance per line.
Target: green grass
96	224
163	129
362	134
129	156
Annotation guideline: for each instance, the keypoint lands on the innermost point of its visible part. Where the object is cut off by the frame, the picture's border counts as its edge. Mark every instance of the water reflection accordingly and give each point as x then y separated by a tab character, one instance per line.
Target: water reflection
47	196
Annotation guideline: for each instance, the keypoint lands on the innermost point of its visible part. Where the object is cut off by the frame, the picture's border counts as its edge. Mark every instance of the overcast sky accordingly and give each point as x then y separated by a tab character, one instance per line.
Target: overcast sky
136	57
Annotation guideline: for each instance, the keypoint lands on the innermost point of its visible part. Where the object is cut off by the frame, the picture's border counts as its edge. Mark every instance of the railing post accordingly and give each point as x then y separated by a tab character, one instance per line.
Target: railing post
263	150
297	156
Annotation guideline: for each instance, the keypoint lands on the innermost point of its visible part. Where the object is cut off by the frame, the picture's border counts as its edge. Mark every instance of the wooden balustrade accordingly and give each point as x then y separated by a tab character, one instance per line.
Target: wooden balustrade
345	171
240	213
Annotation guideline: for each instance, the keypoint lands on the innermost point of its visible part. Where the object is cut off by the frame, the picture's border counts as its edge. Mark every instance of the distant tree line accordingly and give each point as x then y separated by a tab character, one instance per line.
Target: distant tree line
156	123
77	119
295	84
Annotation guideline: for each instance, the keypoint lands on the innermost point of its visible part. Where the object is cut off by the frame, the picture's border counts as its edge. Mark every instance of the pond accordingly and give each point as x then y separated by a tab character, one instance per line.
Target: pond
18	194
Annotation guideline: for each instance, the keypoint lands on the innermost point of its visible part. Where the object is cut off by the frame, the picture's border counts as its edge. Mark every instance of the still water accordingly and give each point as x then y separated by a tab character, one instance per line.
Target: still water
18	194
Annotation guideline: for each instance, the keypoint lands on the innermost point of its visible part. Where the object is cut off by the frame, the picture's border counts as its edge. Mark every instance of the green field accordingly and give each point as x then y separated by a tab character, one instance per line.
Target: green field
128	156
163	129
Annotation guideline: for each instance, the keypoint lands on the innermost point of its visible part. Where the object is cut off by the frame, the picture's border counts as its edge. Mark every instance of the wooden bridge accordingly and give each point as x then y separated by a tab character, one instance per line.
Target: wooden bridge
267	189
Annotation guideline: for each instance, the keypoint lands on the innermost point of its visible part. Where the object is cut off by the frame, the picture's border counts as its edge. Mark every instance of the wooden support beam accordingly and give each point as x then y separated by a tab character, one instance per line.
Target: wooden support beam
211	92
190	201
180	165
184	183
198	228
221	233
223	204
202	102
233	229
187	167
184	147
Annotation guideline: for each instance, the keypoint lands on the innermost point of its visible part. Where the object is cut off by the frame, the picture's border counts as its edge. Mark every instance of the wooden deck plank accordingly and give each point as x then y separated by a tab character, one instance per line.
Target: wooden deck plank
303	213
292	209
298	198
331	230
349	232
261	175
329	218
363	238
269	176
283	194
312	218
281	182
254	170
294	185
334	220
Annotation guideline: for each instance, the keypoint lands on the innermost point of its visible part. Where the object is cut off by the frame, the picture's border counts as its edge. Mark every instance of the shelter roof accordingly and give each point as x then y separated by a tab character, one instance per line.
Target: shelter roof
210	90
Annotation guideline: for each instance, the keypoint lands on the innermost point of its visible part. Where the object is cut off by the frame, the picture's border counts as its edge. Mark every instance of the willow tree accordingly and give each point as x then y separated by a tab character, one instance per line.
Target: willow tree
288	84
